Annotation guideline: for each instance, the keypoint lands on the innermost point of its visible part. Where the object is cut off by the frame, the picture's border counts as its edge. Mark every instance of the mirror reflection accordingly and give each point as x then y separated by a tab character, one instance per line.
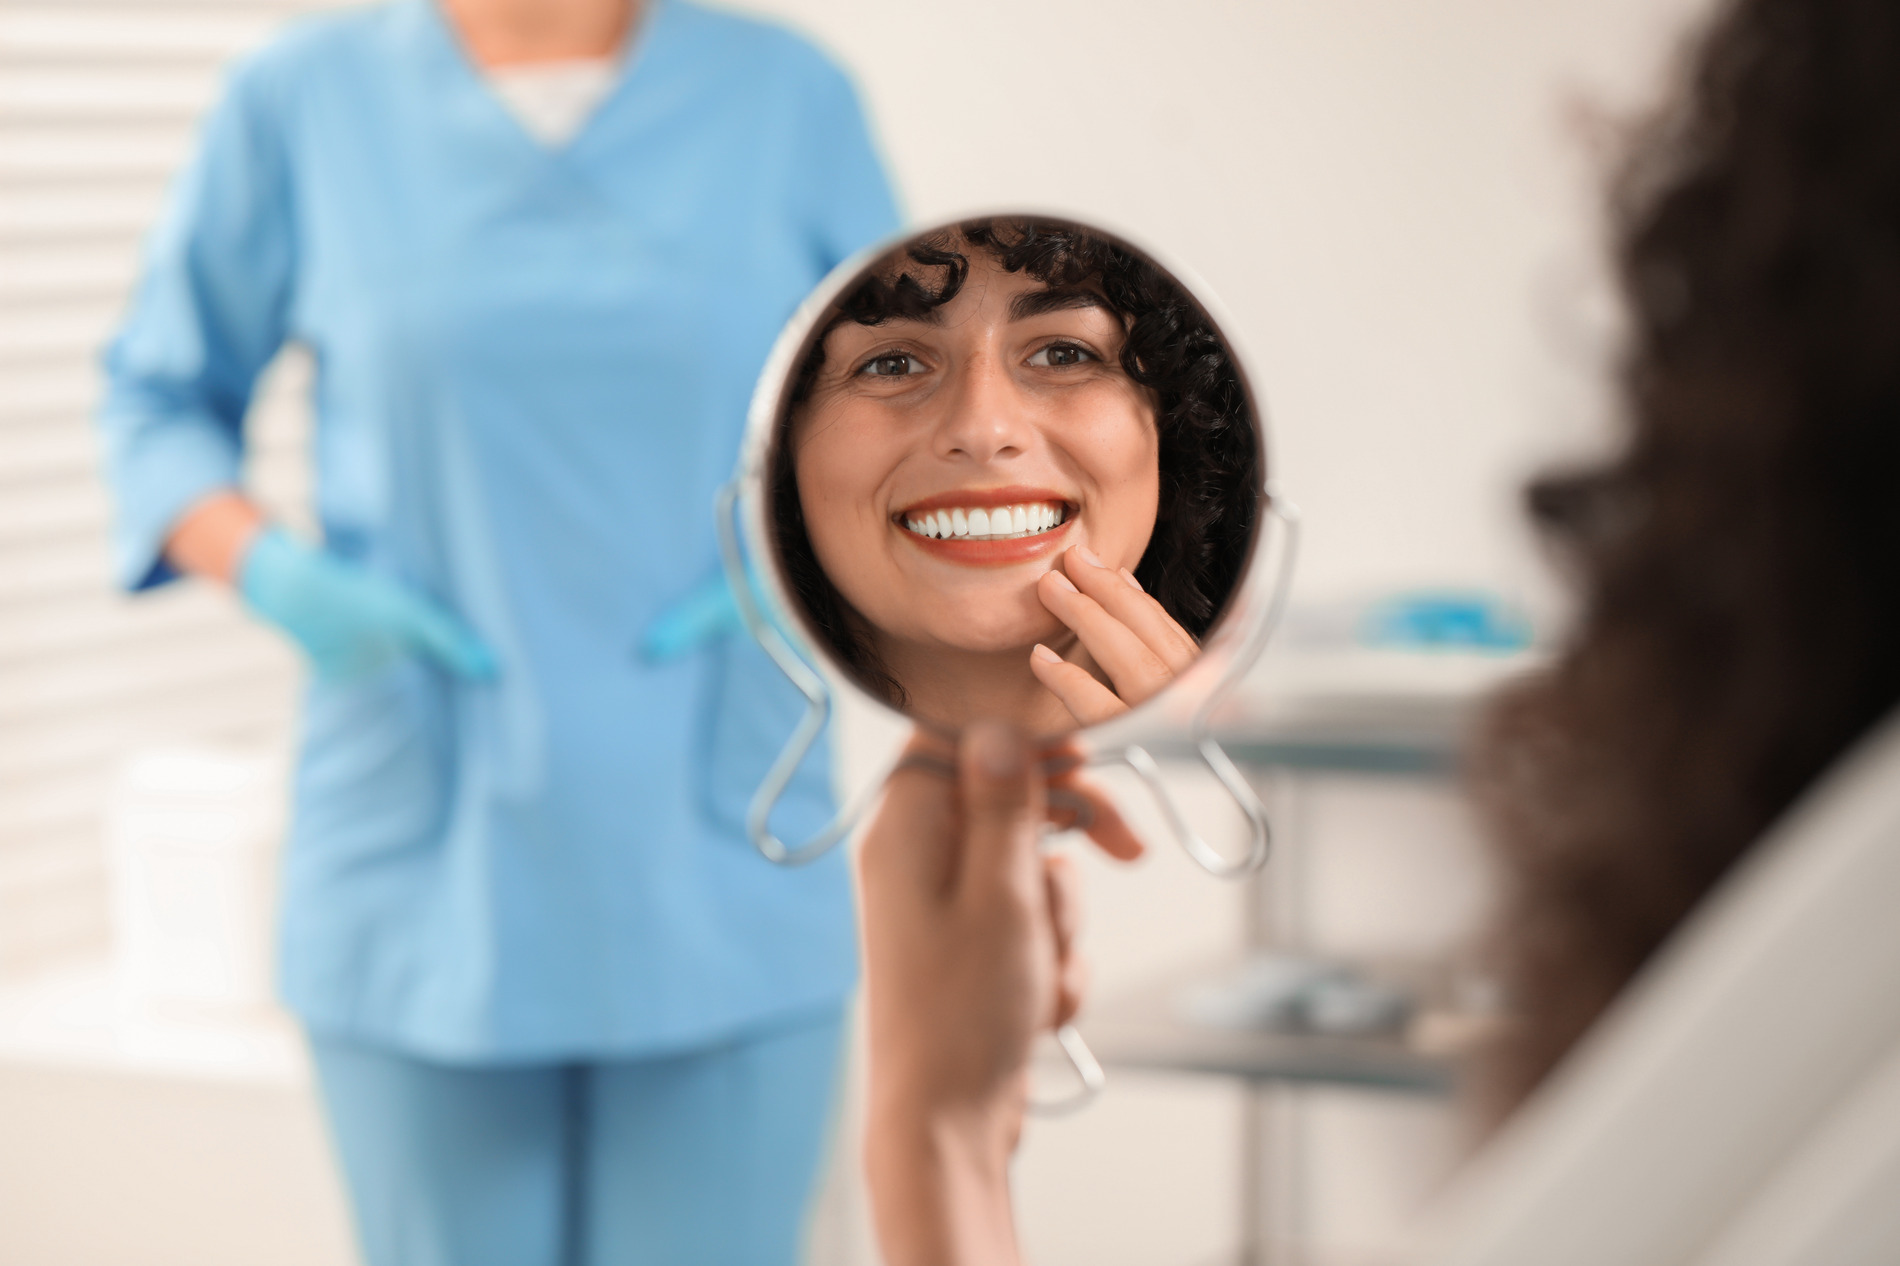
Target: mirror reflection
1017	475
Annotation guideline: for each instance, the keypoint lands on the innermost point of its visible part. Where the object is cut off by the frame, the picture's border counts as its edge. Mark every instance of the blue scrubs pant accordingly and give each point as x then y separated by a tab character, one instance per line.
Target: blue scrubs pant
705	1157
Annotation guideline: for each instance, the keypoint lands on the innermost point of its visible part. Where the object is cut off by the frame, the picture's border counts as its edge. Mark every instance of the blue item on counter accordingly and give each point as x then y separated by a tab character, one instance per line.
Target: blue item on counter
532	370
1452	620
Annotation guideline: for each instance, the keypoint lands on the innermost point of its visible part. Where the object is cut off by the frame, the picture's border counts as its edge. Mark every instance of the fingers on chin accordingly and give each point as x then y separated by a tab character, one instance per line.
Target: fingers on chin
1088	700
1140	613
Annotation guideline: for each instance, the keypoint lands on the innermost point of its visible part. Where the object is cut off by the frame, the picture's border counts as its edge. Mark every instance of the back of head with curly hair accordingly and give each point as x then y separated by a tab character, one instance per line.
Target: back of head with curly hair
1740	559
1210	459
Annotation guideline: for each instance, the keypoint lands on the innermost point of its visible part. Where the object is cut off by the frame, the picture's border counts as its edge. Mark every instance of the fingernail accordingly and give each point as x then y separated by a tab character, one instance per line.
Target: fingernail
998	750
1088	556
1044	654
1134	584
1064	581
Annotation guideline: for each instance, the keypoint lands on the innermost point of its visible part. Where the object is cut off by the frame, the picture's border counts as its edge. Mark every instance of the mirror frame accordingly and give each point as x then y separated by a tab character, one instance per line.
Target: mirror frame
776	617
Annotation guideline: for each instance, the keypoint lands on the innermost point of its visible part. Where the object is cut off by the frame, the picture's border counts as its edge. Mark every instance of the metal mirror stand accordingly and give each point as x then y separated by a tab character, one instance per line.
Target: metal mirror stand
758	818
1088	1070
818	711
1259	829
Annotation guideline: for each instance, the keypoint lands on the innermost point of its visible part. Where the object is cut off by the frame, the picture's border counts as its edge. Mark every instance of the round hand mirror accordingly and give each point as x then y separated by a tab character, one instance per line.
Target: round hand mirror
1011	467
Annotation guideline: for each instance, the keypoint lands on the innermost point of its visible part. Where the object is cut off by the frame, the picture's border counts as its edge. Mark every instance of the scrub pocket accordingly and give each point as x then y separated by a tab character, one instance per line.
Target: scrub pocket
751	711
374	770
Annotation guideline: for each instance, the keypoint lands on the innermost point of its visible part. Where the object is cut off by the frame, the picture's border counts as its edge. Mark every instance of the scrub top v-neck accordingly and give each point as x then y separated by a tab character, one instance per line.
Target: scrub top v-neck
533	363
552	102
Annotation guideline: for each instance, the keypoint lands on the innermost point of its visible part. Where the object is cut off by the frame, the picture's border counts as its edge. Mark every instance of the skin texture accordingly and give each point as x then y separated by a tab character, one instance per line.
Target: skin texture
211	538
988	396
970	937
1129	637
522	32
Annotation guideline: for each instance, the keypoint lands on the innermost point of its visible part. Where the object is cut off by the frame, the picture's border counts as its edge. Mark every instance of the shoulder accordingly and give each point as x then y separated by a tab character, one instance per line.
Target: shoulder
318	45
757	48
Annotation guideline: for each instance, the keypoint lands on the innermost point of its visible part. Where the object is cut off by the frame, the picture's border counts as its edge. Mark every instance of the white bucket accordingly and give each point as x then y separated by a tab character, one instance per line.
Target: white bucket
192	836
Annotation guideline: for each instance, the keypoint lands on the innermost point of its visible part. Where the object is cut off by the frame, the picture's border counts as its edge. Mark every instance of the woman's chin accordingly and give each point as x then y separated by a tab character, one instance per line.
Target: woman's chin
998	643
1017	637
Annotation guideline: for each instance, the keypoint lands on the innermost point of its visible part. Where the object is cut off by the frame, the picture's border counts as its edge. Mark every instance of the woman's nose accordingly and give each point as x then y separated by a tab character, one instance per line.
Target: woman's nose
986	419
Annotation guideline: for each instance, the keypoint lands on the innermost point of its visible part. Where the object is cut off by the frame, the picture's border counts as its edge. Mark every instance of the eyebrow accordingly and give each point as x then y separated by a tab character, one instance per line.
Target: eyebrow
1032	303
932	315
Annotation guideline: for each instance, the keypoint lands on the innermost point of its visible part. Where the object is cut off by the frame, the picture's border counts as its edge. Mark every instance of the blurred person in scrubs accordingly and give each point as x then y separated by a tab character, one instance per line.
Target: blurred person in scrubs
560	1010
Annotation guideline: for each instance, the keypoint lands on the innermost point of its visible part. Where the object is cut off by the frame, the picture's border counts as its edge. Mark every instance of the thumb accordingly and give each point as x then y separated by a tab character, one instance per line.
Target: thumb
1003	800
447	640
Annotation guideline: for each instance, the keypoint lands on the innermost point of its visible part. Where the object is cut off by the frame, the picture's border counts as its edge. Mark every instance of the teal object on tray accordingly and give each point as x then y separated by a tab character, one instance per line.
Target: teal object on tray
1448	619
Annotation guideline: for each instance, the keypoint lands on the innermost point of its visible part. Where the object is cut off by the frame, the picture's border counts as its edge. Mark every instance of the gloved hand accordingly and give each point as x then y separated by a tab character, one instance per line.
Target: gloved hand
352	622
708	613
704	615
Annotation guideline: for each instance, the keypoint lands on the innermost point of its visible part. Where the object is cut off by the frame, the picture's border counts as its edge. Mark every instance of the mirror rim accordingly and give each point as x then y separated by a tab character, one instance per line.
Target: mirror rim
1243	610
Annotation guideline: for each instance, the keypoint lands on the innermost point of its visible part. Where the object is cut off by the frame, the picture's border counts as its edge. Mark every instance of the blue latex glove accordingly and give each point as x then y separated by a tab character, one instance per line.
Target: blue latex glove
705	615
1446	619
352	622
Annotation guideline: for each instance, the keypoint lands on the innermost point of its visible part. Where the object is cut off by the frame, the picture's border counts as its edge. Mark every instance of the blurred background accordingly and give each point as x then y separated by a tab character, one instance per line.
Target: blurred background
1399	204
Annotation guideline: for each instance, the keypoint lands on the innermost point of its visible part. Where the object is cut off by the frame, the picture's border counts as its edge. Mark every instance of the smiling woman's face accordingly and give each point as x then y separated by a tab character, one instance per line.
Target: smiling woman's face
943	464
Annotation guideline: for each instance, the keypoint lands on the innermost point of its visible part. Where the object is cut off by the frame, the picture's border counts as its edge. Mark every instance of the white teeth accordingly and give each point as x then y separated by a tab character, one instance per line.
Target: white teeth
988	523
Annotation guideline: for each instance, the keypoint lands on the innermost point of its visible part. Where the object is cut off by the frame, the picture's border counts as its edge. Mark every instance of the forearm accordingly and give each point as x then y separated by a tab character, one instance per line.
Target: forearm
210	538
940	1191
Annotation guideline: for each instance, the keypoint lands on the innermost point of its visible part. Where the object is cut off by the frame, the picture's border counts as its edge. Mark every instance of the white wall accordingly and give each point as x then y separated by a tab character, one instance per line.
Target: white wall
1386	193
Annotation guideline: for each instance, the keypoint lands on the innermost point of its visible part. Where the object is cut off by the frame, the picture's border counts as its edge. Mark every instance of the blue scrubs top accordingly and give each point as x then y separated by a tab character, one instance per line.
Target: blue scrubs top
533	366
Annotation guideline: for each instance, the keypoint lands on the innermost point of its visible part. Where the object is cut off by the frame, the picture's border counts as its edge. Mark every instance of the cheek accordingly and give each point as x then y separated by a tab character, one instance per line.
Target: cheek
1122	460
839	474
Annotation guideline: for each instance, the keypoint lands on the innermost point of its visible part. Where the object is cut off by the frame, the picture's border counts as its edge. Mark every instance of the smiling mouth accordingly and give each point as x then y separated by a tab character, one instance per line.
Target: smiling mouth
988	523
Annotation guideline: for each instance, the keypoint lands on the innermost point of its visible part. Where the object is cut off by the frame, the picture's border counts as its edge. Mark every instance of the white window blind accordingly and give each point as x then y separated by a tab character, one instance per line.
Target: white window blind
98	106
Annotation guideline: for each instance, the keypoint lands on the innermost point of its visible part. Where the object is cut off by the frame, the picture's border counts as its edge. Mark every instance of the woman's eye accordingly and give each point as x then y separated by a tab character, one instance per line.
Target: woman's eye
1056	355
892	365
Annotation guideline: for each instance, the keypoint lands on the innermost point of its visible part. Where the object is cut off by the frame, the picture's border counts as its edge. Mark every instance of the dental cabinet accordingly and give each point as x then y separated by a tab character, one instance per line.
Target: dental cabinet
1376	880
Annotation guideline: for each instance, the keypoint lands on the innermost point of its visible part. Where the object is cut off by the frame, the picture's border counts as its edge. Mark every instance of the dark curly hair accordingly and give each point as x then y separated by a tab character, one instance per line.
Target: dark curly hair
1740	559
1211	466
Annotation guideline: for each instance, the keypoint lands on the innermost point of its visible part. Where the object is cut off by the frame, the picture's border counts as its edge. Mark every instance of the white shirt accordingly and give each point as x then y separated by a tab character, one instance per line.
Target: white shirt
554	100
